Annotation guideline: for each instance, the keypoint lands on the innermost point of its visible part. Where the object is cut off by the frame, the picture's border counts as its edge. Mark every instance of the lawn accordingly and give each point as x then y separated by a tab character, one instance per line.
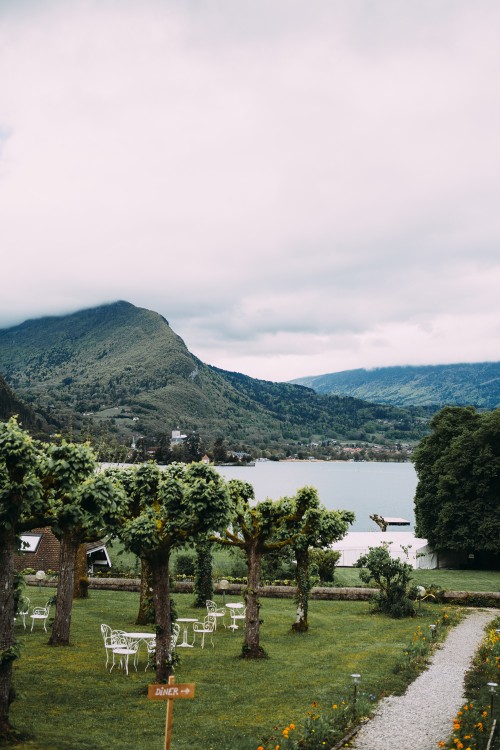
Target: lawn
67	700
450	580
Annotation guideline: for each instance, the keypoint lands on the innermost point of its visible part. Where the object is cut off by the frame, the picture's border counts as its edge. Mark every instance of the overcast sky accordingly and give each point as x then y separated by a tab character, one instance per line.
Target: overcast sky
298	186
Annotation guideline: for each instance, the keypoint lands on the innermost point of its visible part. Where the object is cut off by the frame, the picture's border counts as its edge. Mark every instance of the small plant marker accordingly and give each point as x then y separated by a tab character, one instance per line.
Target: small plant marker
170	693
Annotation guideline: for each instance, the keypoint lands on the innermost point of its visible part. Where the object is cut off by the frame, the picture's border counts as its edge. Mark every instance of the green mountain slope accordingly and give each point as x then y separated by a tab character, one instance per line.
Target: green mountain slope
462	385
122	368
11	405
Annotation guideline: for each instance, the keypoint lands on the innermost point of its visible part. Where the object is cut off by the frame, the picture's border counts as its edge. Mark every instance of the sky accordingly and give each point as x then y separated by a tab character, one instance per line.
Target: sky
298	186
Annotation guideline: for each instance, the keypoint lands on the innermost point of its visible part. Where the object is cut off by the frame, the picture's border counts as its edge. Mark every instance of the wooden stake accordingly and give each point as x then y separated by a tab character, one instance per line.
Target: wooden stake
170	711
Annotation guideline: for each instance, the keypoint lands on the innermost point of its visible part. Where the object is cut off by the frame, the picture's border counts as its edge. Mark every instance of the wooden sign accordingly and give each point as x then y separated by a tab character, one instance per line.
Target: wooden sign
170	693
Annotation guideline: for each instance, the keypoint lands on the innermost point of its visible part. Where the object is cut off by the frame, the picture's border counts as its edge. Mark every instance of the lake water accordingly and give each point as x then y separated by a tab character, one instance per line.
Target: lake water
363	487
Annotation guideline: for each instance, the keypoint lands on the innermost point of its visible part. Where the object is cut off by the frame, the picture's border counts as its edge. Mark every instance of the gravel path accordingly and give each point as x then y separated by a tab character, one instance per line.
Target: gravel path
423	715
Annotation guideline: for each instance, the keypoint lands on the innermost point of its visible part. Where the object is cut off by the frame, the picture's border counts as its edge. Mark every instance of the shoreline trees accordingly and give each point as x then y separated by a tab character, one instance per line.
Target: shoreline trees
457	500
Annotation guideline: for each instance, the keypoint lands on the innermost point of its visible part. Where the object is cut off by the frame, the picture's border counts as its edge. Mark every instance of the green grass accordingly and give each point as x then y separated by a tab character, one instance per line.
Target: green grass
450	580
67	700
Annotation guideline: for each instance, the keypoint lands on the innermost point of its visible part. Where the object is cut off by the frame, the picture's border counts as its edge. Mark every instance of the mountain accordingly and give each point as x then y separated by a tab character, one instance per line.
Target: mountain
11	405
431	385
121	370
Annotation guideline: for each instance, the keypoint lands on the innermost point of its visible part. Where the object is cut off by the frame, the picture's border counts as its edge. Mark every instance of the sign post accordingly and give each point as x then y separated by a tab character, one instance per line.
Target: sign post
170	693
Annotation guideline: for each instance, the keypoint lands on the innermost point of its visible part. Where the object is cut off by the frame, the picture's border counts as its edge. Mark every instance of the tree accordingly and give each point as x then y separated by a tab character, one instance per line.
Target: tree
190	501
83	506
219	451
22	508
259	530
457	498
393	578
323	527
203	584
141	488
192	448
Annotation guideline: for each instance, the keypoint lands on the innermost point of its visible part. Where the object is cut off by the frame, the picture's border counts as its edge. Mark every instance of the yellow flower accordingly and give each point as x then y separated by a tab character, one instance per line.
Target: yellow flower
334	705
484	714
292	726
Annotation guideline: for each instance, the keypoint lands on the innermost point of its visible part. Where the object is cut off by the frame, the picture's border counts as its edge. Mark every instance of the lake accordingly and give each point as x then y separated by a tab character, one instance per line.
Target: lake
364	487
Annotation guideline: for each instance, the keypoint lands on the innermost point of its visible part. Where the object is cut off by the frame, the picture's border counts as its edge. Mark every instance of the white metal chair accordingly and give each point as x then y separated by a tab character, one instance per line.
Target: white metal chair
23	609
106	633
176	629
124	648
215	612
207	626
40	613
236	615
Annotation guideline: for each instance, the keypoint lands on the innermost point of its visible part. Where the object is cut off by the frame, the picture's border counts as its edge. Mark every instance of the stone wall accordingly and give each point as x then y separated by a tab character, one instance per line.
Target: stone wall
463	598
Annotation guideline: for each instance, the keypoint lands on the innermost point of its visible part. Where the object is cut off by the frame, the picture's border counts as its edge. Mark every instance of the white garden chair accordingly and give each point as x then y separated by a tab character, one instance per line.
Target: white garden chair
215	612
205	627
23	609
176	629
106	633
124	648
236	616
40	613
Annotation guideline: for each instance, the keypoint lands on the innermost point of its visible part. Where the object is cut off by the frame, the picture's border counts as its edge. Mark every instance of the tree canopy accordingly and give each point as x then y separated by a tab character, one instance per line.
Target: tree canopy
170	508
457	501
21	508
82	506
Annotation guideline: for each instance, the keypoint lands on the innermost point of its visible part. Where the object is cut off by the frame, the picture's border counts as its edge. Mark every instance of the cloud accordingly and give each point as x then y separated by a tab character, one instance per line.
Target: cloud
297	188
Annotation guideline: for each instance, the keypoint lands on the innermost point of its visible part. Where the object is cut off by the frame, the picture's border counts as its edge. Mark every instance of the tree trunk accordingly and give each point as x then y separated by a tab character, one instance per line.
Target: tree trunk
302	576
146	614
251	645
81	584
203	585
161	594
7	609
65	588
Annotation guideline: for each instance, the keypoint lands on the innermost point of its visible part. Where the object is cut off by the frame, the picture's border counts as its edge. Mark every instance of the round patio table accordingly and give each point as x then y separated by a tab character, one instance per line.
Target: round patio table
185	622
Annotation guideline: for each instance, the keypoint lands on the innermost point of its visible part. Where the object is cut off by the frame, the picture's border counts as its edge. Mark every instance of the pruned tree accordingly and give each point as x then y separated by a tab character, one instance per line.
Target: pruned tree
83	506
259	530
141	487
191	501
322	527
22	507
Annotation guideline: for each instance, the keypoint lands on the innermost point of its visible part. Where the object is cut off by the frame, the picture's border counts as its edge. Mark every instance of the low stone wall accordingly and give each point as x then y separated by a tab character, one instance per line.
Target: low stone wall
462	598
233	590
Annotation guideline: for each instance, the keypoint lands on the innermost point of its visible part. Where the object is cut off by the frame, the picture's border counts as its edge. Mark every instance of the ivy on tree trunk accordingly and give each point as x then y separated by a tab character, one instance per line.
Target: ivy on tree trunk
161	588
303	587
146	614
203	584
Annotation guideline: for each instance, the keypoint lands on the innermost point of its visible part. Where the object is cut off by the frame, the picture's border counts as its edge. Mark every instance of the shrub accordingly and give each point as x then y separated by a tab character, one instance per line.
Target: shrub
393	579
185	564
